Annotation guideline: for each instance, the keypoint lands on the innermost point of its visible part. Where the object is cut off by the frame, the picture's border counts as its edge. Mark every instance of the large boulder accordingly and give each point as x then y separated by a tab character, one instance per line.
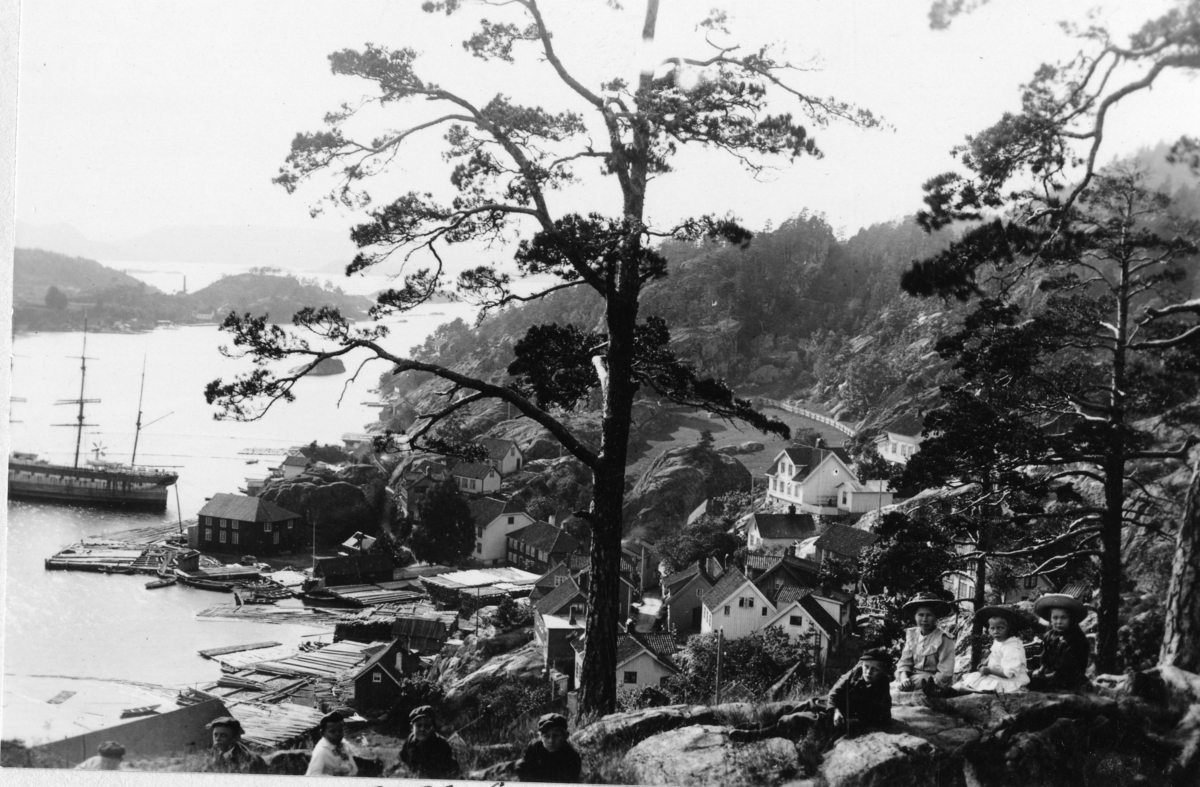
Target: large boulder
703	755
624	729
881	759
676	482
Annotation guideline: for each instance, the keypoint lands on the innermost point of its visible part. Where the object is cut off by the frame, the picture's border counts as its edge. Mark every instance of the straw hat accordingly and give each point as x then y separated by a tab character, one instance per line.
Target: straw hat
1050	601
984	614
111	749
939	605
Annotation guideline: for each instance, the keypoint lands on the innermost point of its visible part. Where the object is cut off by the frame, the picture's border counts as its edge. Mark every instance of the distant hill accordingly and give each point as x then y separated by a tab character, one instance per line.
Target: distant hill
306	249
279	296
36	270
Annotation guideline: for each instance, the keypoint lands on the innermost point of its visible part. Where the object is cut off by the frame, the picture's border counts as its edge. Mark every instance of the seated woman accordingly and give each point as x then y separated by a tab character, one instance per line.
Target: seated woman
332	756
1065	648
1005	671
928	652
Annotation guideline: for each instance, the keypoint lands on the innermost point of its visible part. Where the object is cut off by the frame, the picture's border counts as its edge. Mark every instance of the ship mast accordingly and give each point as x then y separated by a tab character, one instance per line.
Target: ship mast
79	424
138	427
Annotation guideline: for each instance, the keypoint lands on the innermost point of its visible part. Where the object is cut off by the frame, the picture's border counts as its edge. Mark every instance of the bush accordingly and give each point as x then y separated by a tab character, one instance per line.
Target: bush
510	615
756	661
1139	641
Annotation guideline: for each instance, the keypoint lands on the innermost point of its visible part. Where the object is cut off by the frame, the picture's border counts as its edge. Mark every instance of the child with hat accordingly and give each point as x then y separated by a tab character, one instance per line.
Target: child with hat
426	753
108	758
859	700
551	758
1005	671
1065	648
928	652
228	753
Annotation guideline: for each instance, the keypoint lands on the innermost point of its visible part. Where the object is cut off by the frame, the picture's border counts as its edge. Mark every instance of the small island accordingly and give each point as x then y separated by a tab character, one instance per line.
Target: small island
326	368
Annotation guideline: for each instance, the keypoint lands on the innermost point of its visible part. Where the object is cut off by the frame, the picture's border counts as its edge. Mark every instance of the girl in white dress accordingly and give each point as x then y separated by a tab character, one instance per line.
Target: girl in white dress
1005	671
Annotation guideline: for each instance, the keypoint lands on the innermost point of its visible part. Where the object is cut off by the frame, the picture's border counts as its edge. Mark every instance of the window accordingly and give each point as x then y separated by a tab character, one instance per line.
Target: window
727	609
478	546
764	612
795	620
512	520
559	580
208	534
276	539
377	678
222	536
233	523
235	537
631	676
289	524
741	602
750	603
1030	582
699	592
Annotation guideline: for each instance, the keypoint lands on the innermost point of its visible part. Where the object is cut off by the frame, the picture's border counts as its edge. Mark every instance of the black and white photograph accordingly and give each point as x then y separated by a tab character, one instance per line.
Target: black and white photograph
766	393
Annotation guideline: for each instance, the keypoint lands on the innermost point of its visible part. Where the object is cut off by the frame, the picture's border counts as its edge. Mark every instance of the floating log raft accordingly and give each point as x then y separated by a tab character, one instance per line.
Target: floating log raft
211	652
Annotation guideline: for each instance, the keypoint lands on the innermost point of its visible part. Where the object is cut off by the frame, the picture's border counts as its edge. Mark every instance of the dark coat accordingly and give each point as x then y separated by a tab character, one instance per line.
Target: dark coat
239	759
868	704
539	765
429	759
1064	661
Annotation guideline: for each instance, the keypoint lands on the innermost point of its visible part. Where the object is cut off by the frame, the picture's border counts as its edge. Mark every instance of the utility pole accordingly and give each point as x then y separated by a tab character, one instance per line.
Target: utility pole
720	643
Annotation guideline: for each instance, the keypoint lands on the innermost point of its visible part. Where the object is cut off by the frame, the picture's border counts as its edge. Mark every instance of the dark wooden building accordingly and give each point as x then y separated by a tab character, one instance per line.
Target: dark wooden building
353	570
246	526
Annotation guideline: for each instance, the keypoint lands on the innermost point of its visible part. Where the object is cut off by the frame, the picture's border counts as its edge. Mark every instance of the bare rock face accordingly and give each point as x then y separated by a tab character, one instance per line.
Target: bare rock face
336	503
525	662
882	759
623	729
704	755
678	481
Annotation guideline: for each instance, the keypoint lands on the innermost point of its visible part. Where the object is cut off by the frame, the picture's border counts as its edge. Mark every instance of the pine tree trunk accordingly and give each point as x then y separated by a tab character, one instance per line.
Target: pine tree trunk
1111	570
1181	636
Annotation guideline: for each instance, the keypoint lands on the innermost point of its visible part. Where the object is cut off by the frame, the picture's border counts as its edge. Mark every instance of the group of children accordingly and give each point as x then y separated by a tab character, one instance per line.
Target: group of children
861	699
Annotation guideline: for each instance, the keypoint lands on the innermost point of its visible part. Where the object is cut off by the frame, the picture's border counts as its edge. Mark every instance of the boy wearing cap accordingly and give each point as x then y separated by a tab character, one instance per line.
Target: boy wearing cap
928	653
108	758
551	758
860	699
426	753
1065	648
229	754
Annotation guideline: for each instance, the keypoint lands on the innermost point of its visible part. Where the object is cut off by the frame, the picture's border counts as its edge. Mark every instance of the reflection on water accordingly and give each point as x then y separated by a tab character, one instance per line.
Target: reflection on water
110	626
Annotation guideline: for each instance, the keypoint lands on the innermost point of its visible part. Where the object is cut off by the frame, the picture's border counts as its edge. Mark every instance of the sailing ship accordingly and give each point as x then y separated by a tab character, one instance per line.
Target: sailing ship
99	483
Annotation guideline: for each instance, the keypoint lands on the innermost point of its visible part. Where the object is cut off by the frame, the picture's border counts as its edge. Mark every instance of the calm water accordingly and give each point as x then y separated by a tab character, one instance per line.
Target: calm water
91	625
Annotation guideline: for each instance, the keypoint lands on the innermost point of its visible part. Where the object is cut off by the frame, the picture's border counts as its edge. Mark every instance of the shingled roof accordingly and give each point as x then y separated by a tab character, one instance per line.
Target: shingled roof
353	566
909	425
562	597
245	509
807	457
472	470
847	541
725	587
484	510
497	448
680	579
795	526
296	460
546	537
659	646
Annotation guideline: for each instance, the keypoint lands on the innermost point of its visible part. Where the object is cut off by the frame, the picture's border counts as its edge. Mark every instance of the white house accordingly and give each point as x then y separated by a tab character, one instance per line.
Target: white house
642	659
800	615
900	439
294	465
735	606
494	520
475	478
773	532
808	477
858	497
504	455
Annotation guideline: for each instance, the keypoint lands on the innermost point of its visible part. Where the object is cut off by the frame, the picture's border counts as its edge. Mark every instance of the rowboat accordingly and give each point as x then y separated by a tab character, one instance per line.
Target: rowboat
207	584
159	583
145	710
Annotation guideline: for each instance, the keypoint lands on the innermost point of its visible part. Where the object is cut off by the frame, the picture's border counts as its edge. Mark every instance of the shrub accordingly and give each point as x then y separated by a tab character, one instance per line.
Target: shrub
1139	640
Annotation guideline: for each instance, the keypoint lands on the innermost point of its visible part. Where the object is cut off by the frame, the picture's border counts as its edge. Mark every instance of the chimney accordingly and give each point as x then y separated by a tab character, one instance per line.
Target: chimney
572	619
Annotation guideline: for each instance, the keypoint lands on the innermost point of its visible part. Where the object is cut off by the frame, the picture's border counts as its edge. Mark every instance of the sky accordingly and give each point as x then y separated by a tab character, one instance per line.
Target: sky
139	116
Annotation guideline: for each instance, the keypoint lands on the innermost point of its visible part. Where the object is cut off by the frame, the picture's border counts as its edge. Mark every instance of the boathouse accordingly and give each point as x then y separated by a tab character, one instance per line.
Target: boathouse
246	525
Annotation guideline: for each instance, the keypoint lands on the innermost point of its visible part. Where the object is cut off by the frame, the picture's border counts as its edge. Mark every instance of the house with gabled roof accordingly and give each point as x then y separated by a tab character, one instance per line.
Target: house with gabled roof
557	618
567	595
504	455
538	546
378	682
787	572
800	615
778	532
808	476
559	573
353	570
294	465
494	519
734	606
642	659
245	525
841	542
476	478
683	599
901	438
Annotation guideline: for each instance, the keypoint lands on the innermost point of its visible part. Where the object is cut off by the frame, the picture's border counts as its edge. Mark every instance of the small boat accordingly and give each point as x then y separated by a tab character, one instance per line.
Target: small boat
207	584
323	598
146	710
251	461
159	583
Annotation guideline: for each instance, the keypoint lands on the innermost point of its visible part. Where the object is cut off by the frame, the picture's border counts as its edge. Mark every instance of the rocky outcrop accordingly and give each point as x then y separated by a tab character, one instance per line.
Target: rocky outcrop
523	663
337	503
703	755
324	368
748	447
711	348
625	729
676	482
882	759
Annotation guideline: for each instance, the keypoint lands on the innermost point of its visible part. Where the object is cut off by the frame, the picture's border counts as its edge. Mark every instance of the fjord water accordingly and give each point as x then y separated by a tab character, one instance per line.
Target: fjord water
110	626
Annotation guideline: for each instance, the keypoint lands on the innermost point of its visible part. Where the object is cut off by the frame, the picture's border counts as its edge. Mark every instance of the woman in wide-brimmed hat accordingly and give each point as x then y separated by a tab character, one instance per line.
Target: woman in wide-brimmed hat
928	652
1005	671
108	758
1065	648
